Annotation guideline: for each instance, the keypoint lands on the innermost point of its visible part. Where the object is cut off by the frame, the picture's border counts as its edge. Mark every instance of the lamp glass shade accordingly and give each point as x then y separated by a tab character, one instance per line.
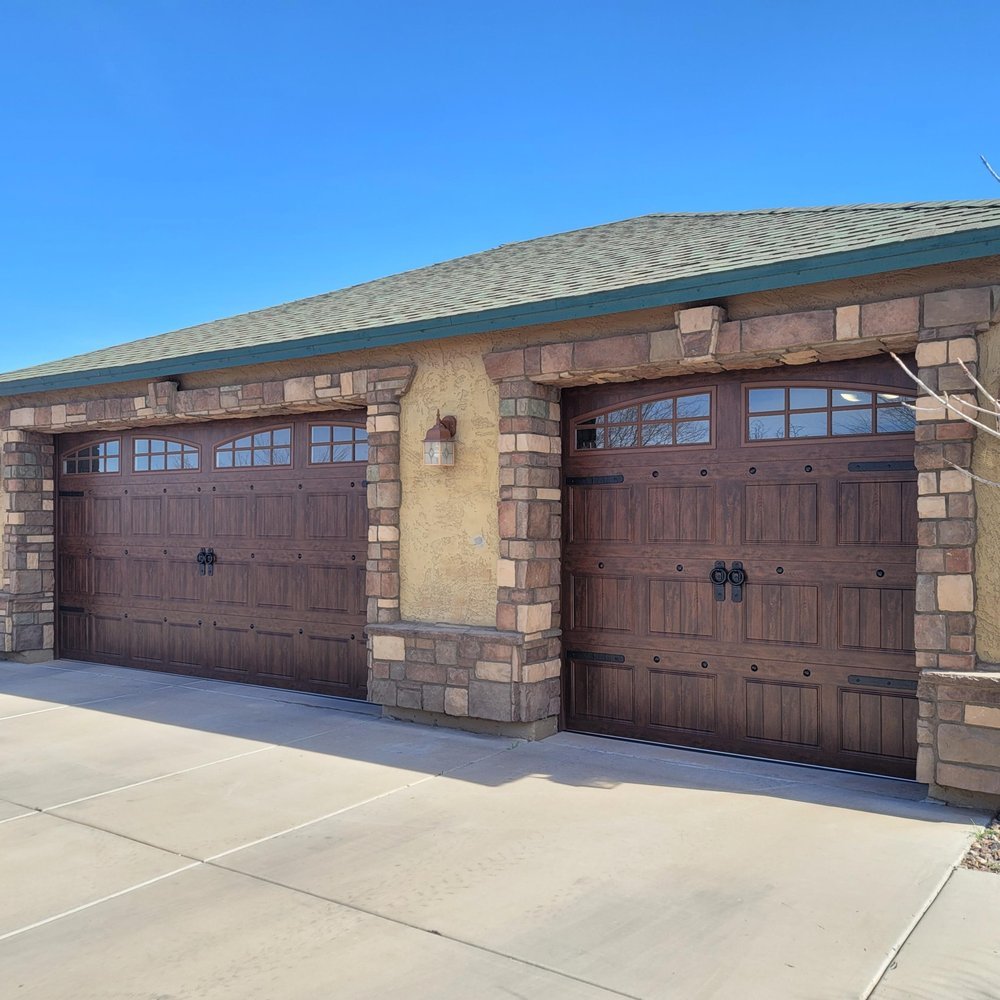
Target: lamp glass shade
439	452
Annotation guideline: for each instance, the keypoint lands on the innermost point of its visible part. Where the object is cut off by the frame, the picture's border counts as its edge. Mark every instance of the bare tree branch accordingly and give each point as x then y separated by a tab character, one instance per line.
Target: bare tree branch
986	163
972	475
946	401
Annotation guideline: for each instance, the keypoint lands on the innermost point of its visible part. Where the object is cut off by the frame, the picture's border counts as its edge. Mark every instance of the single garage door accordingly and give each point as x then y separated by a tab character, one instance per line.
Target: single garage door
232	550
740	564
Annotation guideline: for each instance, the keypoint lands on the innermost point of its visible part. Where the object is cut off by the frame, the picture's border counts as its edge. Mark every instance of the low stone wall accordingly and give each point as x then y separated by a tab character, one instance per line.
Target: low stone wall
442	673
959	736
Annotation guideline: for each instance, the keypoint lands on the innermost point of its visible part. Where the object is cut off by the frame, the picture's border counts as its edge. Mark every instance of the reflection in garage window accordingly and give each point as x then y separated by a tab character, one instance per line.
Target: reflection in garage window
101	456
337	443
821	411
272	447
160	455
671	421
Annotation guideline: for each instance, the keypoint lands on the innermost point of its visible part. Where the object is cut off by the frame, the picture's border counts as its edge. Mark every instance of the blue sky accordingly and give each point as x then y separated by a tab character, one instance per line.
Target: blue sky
167	162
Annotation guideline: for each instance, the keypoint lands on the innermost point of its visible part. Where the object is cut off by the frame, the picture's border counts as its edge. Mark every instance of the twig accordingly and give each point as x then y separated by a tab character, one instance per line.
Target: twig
972	475
945	400
986	163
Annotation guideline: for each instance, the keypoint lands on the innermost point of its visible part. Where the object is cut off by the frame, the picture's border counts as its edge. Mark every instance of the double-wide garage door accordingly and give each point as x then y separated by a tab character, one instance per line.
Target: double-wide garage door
232	550
740	564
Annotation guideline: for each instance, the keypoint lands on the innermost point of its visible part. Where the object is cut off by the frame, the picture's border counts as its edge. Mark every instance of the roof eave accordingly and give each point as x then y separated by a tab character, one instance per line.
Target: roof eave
947	248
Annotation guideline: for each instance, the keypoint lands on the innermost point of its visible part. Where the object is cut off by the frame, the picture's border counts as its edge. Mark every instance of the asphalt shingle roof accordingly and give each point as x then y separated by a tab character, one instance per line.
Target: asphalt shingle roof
620	255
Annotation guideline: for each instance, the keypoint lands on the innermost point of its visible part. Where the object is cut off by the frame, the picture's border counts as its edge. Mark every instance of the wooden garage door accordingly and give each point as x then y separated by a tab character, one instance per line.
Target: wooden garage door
233	550
801	478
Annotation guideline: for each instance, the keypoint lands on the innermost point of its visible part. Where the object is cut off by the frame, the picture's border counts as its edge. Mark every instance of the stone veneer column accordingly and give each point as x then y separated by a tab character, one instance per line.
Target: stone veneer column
27	543
385	496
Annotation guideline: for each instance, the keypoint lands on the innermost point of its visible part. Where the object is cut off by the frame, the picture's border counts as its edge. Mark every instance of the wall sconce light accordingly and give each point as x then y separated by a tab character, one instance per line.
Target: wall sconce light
439	442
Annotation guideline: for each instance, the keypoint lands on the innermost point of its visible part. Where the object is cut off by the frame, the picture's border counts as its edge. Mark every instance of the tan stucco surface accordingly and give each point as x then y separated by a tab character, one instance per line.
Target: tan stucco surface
449	540
986	463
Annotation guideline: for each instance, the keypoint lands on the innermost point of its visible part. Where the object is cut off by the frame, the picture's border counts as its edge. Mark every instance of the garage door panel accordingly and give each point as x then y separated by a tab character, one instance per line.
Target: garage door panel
782	712
681	514
785	613
284	537
783	512
185	516
147	644
681	607
878	618
602	692
106	516
602	603
683	701
874	512
146	516
230	517
109	636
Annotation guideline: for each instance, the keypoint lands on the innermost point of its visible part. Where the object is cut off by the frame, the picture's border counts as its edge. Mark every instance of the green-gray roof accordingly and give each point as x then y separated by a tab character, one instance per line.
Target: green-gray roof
647	261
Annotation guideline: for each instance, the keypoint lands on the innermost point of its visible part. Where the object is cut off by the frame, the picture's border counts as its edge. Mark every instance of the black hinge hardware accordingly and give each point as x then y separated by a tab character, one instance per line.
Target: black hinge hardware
593	480
882	682
72	493
903	465
737	578
72	609
580	654
719	576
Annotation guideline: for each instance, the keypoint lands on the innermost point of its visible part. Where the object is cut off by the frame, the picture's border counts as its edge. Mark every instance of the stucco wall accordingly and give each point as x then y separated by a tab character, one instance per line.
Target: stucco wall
986	463
449	542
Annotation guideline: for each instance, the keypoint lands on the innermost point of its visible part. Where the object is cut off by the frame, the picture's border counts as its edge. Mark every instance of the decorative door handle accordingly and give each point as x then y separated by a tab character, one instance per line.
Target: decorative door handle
202	558
210	561
737	578
719	576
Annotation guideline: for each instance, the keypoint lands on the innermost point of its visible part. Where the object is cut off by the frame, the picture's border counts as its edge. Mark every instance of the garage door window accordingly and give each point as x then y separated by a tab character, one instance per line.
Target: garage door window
161	455
337	443
665	422
270	447
809	411
101	456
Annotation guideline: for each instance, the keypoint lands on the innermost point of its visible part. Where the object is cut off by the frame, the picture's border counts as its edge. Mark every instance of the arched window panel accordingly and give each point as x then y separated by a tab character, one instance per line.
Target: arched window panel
164	455
810	411
100	456
270	447
677	420
330	443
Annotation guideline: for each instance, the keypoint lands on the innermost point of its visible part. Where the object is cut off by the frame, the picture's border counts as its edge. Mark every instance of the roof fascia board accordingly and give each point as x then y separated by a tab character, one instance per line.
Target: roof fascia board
948	248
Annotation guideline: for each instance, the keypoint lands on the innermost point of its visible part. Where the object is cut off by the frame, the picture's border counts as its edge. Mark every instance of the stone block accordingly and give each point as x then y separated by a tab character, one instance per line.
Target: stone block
557	358
957	306
388	647
489	700
968	778
848	323
884	319
790	330
456	701
931	353
534	617
956	592
492	670
966	745
610	353
981	715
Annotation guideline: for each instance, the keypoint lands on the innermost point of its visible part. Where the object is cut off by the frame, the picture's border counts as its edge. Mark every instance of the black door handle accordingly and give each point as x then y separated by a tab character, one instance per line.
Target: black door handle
202	558
719	576
737	578
210	560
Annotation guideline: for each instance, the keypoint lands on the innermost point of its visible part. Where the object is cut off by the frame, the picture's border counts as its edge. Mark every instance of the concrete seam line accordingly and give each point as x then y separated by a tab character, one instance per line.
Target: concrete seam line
424	930
96	902
188	770
30	812
348	808
37	711
912	926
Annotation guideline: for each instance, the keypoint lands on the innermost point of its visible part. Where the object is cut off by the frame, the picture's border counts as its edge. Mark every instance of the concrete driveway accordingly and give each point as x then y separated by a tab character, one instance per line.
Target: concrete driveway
163	837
